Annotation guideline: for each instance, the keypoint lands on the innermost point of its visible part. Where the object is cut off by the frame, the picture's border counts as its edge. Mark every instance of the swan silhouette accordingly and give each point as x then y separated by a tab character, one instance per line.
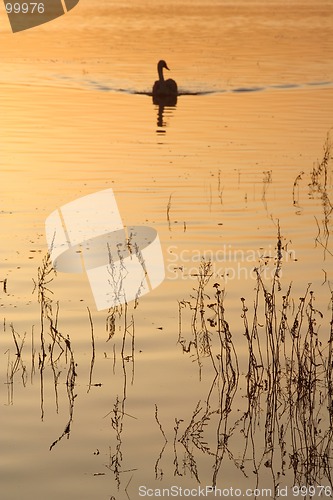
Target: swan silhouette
165	92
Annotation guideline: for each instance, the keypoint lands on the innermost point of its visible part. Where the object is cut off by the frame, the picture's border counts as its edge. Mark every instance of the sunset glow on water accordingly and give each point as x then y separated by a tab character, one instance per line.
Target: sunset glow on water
218	377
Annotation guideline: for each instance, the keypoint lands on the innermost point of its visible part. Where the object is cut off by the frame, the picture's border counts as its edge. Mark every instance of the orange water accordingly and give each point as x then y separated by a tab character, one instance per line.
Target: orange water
76	120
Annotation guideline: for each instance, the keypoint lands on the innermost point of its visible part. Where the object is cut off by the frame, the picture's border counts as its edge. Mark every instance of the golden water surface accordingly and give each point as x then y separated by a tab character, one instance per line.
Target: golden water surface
217	176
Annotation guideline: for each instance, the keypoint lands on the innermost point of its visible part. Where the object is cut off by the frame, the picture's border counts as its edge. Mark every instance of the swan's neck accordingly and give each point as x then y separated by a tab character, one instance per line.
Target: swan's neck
160	73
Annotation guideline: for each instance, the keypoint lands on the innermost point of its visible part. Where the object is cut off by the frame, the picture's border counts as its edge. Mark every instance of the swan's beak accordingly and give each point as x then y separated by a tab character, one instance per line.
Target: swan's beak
166	67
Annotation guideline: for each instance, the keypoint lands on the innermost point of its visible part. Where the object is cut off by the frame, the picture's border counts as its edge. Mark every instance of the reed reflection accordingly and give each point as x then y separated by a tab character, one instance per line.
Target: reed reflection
320	188
59	345
120	321
268	413
282	424
286	425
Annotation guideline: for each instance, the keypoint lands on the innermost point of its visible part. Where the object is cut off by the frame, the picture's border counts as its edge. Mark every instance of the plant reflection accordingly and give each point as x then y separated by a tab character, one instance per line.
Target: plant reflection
158	470
319	187
118	320
280	426
58	347
288	383
15	366
211	339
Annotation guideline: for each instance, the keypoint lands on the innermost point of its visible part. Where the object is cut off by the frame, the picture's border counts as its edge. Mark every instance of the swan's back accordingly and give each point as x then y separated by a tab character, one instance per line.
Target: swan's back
165	88
172	86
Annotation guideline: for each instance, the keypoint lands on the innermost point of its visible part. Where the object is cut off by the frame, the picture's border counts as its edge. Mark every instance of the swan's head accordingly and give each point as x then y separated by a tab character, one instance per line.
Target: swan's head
162	64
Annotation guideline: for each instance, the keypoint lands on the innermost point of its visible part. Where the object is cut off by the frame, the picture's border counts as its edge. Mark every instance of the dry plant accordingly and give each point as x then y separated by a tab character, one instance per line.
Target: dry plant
321	186
59	345
120	321
17	365
210	337
287	423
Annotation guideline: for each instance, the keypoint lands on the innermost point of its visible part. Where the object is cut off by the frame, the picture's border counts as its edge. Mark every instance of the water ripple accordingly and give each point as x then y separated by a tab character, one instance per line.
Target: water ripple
102	87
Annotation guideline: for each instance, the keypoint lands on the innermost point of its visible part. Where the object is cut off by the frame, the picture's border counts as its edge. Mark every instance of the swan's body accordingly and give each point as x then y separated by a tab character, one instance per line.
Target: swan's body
164	91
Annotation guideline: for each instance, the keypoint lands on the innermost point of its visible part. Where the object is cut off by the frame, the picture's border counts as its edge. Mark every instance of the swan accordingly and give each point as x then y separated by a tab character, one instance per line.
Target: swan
164	91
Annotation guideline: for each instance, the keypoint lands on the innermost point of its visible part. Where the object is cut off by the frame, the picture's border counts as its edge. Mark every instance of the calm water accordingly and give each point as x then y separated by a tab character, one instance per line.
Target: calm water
114	396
